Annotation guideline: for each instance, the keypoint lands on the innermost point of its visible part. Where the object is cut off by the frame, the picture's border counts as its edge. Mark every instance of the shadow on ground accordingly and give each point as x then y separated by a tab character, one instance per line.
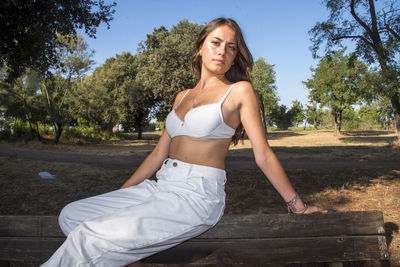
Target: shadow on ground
367	137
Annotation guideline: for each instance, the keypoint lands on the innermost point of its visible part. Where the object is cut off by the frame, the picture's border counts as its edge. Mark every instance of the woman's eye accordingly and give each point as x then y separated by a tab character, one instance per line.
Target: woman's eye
232	48
215	42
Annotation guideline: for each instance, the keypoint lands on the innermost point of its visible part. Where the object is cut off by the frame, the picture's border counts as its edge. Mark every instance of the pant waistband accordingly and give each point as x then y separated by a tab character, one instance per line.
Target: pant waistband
206	170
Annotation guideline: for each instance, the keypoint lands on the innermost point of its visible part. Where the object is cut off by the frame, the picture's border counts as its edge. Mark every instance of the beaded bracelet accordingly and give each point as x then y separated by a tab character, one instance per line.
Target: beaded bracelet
290	205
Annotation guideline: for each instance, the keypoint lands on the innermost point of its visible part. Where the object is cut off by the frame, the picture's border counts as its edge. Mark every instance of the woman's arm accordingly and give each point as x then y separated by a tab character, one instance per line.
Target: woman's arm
155	159
152	162
265	158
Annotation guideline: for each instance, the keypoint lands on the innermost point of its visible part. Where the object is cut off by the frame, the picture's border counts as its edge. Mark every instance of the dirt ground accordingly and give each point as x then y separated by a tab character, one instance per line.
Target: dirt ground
356	171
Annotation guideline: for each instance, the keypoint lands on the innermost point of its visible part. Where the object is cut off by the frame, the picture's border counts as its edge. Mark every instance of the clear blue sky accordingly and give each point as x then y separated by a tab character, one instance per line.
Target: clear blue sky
274	30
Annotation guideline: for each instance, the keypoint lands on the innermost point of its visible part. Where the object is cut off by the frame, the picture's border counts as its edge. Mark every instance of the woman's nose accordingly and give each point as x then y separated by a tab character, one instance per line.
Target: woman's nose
222	49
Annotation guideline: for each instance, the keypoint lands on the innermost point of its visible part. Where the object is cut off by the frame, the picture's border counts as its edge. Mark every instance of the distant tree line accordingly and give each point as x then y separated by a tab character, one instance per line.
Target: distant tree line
127	89
375	32
48	97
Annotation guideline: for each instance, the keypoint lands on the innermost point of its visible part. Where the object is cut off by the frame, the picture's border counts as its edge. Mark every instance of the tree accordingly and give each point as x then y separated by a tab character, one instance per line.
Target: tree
263	80
386	117
313	115
351	118
167	68
73	60
369	117
336	83
298	112
282	117
29	30
99	99
20	100
140	99
113	95
376	35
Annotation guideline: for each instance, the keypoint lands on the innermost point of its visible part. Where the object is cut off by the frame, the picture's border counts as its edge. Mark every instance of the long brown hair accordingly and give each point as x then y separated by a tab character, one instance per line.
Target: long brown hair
241	67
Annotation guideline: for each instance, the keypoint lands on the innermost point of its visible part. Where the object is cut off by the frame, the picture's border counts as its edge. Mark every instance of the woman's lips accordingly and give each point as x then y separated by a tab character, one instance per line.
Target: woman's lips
220	61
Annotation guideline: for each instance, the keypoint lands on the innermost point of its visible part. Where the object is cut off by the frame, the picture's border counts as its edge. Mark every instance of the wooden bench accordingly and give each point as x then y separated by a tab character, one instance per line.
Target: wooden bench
265	239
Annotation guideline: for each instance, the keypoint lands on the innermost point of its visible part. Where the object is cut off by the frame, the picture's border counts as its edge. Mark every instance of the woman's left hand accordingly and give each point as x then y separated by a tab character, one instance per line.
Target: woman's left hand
314	209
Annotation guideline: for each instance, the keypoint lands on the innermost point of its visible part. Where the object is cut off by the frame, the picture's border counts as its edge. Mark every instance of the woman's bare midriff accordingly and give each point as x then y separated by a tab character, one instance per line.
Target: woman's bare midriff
207	152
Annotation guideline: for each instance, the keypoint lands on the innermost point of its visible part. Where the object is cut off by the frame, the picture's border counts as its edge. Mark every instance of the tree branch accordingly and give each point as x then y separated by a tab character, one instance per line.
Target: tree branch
352	37
357	18
373	16
390	30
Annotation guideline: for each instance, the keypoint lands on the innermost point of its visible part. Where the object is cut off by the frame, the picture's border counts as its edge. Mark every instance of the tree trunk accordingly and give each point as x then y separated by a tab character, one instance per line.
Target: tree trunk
338	122
58	128
38	133
396	110
139	131
33	131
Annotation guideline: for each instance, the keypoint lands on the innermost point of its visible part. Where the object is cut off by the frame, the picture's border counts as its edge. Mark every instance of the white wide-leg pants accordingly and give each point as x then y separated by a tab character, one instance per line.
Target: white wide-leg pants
126	225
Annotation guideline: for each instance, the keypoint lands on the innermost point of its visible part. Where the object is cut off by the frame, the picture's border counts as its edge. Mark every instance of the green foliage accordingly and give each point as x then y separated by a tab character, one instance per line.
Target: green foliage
160	125
39	99
20	101
375	31
351	120
55	91
263	80
82	133
282	117
337	83
313	115
377	115
5	129
386	114
113	95
97	96
74	59
166	68
366	117
29	30
298	112
21	130
327	119
140	100
369	117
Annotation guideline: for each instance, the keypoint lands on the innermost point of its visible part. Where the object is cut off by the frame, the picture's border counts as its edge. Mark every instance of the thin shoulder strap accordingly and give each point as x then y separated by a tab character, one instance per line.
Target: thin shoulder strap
183	97
226	94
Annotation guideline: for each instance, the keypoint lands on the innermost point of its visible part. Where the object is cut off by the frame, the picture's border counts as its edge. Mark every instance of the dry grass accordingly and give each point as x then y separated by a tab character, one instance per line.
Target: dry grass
347	189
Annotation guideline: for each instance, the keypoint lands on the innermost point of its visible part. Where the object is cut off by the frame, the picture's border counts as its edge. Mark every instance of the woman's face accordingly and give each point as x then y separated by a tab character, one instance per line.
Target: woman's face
219	50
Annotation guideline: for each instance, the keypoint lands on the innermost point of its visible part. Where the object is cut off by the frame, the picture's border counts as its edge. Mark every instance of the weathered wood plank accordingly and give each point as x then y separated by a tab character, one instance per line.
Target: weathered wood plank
254	239
217	251
233	226
279	250
33	226
28	249
312	225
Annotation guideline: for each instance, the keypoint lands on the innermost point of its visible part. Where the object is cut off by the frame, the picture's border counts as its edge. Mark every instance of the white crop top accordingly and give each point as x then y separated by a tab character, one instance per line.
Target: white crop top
204	122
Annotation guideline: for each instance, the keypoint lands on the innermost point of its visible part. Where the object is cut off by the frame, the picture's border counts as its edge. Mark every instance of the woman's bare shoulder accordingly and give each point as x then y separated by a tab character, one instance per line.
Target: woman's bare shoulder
182	93
243	89
179	96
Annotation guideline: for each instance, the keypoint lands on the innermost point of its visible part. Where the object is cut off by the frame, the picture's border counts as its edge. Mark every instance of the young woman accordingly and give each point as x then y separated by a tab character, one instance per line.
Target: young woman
145	216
